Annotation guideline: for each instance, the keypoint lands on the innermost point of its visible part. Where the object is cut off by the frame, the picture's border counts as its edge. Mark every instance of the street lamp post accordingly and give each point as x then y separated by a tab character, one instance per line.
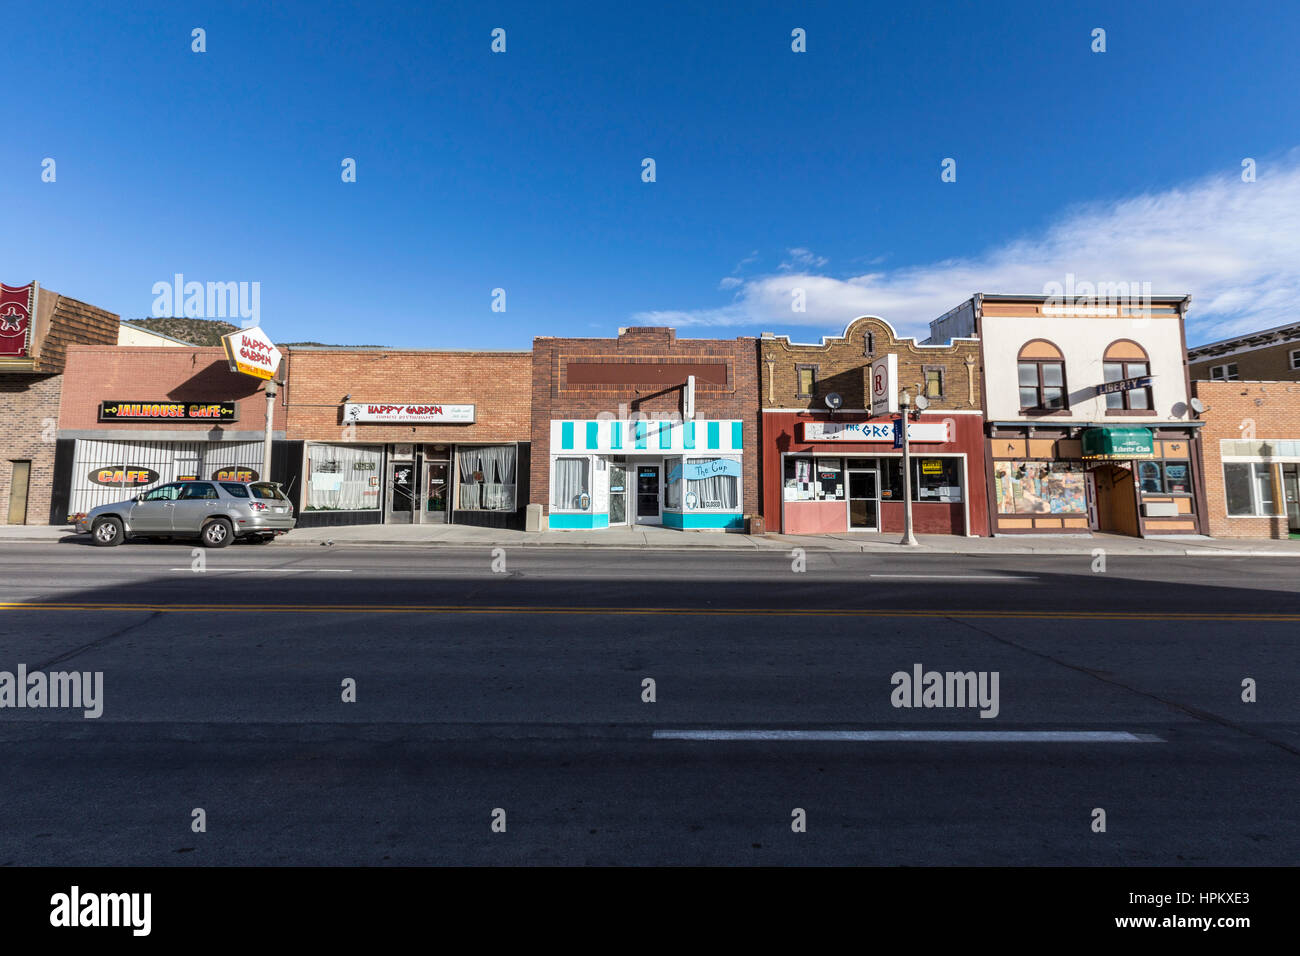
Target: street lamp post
905	406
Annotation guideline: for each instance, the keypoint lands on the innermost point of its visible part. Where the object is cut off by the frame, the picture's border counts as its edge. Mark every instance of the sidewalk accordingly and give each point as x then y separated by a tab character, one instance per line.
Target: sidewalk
664	539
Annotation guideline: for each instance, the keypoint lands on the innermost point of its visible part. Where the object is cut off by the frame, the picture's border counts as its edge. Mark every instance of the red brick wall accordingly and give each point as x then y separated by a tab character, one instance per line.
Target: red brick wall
140	373
27	433
495	383
554	398
1271	410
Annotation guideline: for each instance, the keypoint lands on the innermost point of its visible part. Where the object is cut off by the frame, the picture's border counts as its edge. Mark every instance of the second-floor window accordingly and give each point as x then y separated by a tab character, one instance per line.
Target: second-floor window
1123	360
807	377
1295	358
1223	373
1041	374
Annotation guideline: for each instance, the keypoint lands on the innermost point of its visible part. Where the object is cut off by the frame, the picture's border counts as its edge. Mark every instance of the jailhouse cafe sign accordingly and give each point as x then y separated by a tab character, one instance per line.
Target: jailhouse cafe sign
169	411
414	413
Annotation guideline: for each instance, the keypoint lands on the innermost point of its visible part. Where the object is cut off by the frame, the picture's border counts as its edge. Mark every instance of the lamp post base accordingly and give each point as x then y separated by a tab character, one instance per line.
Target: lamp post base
909	540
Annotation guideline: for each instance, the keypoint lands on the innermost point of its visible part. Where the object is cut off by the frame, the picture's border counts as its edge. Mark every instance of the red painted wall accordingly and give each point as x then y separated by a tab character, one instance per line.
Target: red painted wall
781	435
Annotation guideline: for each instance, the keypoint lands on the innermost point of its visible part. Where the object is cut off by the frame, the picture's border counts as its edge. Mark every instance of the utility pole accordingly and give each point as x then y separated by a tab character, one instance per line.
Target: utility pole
905	407
266	444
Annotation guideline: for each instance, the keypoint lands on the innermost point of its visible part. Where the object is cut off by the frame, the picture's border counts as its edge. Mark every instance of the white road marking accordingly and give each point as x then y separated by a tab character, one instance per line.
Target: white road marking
955	577
925	736
266	570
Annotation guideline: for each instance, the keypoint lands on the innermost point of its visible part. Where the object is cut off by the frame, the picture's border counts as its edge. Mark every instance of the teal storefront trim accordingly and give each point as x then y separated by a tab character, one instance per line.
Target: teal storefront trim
578	522
665	434
593	435
693	522
566	436
615	434
737	434
715	437
639	430
688	438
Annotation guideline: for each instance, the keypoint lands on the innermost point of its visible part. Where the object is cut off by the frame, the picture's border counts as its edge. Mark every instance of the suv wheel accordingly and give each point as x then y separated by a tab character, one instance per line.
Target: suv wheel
107	533
217	533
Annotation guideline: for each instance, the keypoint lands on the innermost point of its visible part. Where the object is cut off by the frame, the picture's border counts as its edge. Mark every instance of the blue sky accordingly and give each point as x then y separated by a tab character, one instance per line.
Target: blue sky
775	170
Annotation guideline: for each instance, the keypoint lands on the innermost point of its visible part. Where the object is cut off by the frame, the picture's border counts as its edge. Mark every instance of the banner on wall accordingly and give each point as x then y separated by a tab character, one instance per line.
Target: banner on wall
700	470
17	303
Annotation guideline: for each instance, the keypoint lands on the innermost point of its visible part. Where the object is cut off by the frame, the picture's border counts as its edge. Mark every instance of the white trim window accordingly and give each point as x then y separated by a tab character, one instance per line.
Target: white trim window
1295	359
1224	373
1250	490
571	484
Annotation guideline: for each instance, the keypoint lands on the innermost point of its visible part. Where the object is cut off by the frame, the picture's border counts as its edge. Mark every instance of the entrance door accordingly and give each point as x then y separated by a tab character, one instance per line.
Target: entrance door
1291	490
864	501
18	492
435	508
401	502
1116	500
617	493
1090	489
648	494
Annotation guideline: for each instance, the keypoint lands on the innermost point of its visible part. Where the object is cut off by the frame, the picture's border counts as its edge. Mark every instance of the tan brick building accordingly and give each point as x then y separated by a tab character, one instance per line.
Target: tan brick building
1251	446
408	436
646	428
1272	355
44	324
829	464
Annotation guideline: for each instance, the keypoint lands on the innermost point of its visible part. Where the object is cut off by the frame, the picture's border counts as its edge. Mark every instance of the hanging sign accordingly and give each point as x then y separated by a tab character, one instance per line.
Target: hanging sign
250	352
884	390
16	306
699	470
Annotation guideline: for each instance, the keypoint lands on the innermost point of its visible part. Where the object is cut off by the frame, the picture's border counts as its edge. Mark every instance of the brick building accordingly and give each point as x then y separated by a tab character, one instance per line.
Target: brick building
1251	445
829	465
645	429
408	436
134	417
37	327
1272	355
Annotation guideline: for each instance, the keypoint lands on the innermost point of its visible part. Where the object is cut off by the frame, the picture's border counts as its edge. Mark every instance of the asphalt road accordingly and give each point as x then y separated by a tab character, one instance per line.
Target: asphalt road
515	681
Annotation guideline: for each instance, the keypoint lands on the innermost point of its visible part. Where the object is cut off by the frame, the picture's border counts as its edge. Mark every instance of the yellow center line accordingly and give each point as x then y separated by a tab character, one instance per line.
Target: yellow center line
650	611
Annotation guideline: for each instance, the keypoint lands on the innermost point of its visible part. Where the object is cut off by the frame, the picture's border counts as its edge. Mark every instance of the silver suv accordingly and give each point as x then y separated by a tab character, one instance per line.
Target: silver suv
216	512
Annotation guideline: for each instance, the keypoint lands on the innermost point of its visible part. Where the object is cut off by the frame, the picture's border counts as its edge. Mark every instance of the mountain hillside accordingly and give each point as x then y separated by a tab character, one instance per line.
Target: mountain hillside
210	331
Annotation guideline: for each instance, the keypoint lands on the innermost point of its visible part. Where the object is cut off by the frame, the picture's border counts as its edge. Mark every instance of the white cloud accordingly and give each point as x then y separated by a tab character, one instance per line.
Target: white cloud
730	282
1234	246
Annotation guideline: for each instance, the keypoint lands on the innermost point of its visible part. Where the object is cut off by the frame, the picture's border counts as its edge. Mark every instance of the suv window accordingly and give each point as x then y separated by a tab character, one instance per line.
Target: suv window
265	489
235	489
200	490
163	493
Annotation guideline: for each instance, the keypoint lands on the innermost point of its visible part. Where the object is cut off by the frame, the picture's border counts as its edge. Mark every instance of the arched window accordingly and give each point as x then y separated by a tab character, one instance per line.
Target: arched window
1123	361
1041	370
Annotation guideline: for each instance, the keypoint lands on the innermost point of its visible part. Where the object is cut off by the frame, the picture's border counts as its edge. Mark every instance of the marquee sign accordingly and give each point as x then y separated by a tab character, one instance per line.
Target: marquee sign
168	411
875	431
250	352
17	303
413	413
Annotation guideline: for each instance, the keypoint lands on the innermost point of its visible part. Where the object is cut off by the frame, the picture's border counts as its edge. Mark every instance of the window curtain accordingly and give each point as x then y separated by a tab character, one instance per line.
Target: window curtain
487	477
716	491
569	484
339	477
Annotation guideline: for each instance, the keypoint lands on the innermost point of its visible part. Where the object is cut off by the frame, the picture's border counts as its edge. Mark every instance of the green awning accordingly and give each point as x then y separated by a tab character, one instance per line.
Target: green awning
1114	441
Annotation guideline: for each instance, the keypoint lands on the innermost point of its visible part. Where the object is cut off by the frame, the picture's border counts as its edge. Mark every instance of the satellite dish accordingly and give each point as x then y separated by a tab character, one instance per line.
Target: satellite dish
834	400
922	402
1198	406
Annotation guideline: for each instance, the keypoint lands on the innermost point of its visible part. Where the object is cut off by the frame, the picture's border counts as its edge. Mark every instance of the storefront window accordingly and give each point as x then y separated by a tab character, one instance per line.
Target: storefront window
343	477
891	479
1250	490
571	485
798	480
717	491
672	484
1040	487
828	475
1149	477
487	477
937	479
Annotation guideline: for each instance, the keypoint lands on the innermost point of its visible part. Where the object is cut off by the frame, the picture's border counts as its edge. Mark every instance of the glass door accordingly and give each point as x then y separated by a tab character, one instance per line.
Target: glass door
864	500
1291	486
617	493
435	506
647	494
401	505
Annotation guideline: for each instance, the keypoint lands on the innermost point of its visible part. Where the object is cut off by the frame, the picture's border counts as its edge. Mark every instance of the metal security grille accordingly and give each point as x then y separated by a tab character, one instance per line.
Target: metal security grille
169	460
